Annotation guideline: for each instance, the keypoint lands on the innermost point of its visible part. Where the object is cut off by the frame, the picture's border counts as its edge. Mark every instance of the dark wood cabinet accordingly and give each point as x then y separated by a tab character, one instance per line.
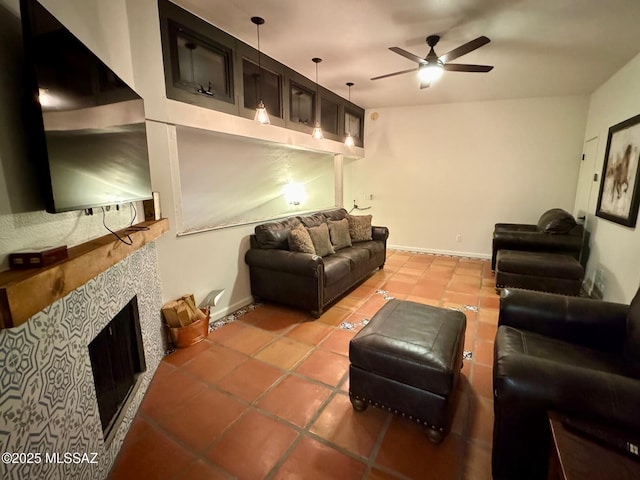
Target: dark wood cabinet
575	456
207	67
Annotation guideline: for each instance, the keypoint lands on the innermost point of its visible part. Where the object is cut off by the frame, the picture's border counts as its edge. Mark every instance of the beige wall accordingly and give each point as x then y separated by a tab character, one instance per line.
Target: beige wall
615	249
436	172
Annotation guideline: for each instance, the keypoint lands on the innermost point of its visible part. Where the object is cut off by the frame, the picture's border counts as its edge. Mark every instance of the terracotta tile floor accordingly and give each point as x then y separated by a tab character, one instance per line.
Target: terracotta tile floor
266	396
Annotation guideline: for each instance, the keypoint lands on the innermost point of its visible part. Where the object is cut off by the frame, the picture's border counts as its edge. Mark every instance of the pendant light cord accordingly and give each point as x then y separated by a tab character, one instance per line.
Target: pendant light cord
259	65
317	93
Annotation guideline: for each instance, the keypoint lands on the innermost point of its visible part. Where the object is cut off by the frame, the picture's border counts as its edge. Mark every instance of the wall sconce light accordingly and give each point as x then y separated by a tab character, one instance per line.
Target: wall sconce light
294	193
262	117
317	130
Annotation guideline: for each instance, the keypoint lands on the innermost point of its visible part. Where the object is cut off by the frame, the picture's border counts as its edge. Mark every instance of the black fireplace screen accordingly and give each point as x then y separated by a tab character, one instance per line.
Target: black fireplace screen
117	359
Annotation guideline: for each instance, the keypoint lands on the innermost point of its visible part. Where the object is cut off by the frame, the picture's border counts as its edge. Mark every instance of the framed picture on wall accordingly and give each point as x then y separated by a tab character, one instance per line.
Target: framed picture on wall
619	196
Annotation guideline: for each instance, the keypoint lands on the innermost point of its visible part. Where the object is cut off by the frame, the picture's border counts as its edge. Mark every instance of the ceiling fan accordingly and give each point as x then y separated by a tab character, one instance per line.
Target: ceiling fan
432	66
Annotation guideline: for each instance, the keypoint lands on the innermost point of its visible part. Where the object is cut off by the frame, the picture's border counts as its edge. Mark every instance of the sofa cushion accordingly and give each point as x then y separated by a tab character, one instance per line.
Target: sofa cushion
360	227
339	233
556	221
336	268
300	240
372	247
275	234
320	238
313	220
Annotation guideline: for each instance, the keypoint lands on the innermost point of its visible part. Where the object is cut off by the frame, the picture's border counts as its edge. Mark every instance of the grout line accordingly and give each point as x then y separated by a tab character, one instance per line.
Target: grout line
392	268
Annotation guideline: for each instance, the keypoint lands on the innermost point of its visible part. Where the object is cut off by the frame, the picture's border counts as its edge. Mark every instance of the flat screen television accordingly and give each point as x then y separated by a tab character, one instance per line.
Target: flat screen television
86	126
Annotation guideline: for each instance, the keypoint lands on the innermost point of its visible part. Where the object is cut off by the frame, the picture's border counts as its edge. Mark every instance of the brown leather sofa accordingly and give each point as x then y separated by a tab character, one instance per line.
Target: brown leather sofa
304	280
575	356
555	232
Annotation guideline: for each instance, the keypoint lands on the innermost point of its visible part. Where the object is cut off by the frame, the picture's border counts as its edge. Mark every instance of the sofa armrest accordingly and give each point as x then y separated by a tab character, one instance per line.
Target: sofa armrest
380	233
297	263
584	321
527	384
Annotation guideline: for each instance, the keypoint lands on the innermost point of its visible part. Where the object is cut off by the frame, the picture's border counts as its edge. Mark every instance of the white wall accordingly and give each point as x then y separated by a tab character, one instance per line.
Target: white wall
615	249
439	171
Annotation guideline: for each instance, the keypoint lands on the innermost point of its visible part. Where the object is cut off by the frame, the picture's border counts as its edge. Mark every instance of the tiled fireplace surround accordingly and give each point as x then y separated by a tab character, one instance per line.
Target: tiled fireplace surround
47	395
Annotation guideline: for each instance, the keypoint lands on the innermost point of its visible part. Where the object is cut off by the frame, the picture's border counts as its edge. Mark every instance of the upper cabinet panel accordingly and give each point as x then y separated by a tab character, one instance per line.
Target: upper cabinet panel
200	65
207	67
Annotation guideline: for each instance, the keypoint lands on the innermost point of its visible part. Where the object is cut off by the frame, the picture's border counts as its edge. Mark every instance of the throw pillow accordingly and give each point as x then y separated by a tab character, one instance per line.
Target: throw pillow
339	233
300	241
359	227
320	238
557	221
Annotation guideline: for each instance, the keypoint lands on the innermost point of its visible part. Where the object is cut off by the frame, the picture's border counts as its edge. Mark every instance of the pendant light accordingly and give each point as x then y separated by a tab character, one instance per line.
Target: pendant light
317	131
262	117
348	141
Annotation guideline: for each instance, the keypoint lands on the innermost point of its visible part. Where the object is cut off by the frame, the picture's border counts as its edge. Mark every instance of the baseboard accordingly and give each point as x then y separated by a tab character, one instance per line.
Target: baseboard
234	307
451	253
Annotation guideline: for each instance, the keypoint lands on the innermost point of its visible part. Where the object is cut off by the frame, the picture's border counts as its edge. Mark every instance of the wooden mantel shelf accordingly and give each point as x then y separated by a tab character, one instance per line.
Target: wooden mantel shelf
23	293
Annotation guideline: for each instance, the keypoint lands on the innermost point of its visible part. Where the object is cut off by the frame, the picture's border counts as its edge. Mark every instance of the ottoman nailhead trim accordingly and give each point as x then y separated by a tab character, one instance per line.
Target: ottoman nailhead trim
384	407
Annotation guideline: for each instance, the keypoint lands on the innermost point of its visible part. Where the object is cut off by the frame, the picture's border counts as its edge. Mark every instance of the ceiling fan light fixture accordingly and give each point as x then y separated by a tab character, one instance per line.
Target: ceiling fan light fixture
431	72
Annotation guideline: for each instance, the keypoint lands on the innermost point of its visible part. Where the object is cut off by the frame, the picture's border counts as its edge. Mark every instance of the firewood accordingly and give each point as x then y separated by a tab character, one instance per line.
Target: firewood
196	313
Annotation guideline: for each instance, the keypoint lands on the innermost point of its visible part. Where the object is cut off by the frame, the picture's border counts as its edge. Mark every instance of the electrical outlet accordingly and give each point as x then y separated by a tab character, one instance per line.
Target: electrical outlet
369	196
458	238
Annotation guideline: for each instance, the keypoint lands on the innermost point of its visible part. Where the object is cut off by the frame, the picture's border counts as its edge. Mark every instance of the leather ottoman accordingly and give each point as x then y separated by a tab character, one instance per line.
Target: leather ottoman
408	360
546	272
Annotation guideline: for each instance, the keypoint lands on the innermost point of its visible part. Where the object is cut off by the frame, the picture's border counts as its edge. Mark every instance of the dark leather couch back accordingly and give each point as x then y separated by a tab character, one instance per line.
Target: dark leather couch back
632	341
276	234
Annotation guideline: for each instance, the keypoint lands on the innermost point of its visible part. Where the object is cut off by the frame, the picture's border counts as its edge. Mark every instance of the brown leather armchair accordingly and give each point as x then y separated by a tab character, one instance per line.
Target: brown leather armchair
555	232
575	356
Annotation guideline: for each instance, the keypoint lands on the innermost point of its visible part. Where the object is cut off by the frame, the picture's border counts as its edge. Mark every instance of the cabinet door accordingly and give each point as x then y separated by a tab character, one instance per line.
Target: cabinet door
198	60
302	105
354	125
260	83
329	110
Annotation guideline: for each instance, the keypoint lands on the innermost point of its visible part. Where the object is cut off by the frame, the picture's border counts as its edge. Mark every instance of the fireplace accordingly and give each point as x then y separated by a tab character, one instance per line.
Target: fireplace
117	360
48	393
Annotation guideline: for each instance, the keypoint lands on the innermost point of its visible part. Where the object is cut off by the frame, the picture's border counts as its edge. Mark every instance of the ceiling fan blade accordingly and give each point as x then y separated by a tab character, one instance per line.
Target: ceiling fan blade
463	67
394	74
408	55
464	49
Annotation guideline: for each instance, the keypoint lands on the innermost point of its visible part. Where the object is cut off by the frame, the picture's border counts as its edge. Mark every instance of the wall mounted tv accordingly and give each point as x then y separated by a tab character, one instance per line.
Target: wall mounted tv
86	126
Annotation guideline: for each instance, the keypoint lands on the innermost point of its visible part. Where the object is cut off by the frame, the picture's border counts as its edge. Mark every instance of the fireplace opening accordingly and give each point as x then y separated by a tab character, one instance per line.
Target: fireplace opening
117	360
